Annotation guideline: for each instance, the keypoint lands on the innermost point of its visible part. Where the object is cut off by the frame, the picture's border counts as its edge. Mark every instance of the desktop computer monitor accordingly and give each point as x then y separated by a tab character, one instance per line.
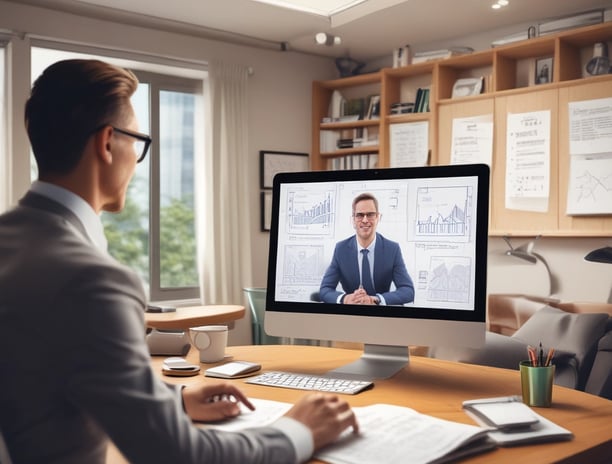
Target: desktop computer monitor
434	219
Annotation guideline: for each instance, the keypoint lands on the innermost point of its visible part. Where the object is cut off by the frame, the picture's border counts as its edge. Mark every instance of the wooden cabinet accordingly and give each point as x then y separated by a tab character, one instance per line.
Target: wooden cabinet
510	78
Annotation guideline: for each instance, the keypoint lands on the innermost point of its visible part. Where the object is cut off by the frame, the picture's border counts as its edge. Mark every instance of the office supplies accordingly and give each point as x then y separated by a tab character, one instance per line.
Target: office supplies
542	430
179	367
233	370
311	382
160	309
168	342
424	438
503	413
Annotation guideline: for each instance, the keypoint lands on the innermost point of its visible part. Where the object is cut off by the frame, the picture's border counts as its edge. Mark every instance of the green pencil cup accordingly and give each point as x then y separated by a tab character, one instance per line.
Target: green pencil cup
536	384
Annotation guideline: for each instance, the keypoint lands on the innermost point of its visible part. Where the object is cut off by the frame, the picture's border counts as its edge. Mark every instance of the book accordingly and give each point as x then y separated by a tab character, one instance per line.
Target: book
394	432
521	425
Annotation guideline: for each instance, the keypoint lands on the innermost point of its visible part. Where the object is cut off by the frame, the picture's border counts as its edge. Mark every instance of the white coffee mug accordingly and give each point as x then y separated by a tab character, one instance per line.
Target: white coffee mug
210	340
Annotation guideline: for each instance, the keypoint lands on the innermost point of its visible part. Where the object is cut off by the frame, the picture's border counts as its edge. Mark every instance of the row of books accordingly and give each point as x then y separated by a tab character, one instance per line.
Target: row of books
332	140
356	109
419	105
347	162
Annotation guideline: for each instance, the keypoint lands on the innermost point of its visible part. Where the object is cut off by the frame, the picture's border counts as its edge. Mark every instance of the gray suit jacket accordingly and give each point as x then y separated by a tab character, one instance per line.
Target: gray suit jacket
74	363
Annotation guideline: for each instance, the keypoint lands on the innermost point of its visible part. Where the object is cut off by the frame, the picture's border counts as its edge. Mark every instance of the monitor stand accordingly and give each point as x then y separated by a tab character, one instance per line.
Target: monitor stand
376	362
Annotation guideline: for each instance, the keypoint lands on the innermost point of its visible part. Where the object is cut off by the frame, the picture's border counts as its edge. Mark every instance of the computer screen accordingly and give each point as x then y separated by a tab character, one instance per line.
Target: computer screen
422	280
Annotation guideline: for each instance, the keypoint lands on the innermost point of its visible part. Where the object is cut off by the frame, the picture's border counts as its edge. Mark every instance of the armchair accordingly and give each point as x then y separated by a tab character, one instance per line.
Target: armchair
582	340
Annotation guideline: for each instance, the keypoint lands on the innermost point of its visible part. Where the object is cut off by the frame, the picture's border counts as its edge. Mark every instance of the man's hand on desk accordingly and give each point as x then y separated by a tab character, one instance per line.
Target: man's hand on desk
213	401
327	416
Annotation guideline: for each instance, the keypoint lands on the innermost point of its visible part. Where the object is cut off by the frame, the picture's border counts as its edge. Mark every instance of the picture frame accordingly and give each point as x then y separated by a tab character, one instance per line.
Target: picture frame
273	162
543	70
266	210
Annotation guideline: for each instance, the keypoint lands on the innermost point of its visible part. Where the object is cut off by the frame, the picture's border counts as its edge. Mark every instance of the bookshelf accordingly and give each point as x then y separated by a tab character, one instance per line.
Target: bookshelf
509	73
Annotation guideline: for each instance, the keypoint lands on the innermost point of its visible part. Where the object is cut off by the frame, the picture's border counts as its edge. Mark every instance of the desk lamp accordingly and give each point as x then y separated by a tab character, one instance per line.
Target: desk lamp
525	252
600	255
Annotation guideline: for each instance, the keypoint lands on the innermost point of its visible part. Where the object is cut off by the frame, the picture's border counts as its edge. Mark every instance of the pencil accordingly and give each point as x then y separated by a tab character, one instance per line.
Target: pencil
551	352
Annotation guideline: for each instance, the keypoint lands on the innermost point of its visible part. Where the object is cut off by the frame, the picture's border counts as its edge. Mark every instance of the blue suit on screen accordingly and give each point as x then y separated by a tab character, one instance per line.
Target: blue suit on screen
389	267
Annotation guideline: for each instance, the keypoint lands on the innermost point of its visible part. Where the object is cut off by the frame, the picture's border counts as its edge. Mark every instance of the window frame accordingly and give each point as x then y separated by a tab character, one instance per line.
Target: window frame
163	74
158	83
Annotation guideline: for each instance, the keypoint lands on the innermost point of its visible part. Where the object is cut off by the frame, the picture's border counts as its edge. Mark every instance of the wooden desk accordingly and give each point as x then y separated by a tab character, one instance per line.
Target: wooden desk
438	387
191	316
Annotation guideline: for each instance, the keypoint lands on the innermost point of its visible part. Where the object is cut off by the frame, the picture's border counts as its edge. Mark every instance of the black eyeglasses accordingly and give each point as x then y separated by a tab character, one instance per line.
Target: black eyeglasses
143	141
370	215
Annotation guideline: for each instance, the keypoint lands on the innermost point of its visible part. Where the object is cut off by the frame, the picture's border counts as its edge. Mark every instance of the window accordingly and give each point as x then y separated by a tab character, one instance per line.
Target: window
155	232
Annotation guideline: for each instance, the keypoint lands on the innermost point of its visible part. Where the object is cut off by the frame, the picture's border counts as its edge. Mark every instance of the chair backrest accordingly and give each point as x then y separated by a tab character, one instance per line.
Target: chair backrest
257	306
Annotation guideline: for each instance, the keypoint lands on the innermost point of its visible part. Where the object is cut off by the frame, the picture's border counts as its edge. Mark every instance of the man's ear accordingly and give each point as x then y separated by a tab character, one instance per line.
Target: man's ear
103	144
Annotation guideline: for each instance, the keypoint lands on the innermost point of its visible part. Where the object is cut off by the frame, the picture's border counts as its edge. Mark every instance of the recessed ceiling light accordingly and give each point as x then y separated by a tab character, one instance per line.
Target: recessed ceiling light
326	8
499	4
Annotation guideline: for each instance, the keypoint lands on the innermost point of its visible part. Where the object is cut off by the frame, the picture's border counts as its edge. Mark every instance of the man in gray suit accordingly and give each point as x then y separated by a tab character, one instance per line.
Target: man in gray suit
74	363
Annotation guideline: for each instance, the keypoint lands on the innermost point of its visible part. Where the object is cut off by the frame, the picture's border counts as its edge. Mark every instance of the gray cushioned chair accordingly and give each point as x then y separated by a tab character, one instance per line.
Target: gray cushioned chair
583	344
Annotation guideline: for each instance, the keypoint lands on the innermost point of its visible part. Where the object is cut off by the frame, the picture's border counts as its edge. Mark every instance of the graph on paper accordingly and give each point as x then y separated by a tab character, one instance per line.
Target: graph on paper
443	211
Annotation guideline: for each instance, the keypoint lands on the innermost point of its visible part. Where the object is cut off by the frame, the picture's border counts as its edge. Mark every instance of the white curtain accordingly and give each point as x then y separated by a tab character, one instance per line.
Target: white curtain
224	240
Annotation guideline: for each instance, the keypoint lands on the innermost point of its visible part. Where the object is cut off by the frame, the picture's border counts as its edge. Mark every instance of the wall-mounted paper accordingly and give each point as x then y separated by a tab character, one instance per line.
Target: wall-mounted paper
472	140
409	143
590	142
528	161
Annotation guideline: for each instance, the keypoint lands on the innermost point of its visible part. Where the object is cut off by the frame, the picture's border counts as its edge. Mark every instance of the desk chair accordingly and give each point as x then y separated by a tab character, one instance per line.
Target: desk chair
257	305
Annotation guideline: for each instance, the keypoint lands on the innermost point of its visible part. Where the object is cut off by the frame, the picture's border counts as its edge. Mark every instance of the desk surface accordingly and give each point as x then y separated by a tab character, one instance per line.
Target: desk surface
191	316
438	388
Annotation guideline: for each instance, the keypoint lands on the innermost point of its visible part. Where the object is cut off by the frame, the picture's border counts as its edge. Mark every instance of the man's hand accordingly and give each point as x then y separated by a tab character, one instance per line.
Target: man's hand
359	296
325	415
215	401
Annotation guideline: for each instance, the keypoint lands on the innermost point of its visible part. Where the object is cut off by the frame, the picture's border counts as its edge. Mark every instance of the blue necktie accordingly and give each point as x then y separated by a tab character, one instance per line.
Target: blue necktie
366	276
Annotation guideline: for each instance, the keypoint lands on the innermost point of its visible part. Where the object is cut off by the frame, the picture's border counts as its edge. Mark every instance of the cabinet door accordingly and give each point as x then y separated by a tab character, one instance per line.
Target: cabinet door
579	225
513	221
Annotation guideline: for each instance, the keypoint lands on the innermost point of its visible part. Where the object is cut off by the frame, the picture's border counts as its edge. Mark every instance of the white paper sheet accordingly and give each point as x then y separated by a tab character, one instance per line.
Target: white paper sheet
589	188
528	161
472	140
409	144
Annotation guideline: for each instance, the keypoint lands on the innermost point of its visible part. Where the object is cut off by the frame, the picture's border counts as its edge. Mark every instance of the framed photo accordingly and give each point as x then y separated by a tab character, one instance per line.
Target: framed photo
266	210
544	71
273	162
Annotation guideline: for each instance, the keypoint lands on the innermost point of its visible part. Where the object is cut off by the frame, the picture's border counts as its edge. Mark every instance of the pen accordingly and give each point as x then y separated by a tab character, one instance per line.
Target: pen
501	399
541	356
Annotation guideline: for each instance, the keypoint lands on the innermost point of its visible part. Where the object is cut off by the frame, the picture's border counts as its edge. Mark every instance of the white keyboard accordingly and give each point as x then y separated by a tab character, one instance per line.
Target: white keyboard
310	382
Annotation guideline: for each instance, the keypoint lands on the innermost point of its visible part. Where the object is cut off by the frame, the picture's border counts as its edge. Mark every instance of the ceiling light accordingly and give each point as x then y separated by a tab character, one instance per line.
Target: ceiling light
326	8
323	38
499	4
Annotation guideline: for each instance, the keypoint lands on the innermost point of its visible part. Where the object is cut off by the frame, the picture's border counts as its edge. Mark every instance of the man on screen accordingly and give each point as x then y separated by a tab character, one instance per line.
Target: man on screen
367	263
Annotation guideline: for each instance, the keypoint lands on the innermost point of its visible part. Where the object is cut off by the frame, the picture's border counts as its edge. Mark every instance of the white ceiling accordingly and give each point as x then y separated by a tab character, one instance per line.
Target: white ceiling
368	31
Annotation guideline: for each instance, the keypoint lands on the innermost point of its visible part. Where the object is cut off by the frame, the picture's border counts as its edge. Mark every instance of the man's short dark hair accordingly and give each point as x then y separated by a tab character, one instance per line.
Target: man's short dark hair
365	196
69	101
